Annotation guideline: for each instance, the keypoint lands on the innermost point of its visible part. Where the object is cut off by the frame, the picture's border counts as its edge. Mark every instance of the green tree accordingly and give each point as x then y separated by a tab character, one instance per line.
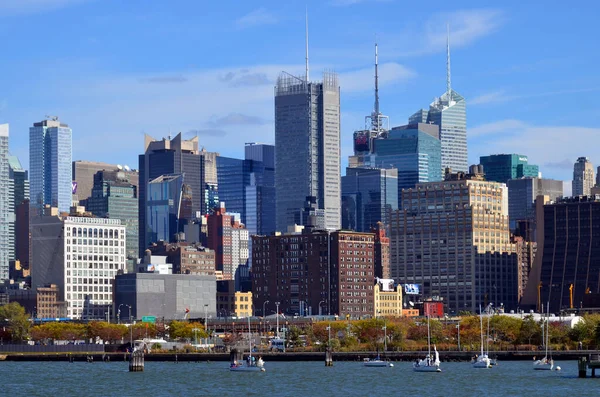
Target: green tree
530	332
184	330
505	329
17	319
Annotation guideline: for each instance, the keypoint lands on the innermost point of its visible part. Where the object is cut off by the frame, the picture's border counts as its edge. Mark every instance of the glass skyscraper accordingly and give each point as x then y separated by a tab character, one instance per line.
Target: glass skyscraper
369	195
502	167
5	214
414	150
114	197
50	172
307	148
164	203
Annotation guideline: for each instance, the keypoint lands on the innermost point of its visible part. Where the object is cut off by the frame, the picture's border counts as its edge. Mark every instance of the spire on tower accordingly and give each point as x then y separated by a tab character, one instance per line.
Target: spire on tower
307	76
376	82
448	80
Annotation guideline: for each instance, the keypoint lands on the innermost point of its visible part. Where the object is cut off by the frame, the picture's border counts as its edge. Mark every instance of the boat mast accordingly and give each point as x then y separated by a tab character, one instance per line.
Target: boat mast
481	324
250	338
547	326
428	338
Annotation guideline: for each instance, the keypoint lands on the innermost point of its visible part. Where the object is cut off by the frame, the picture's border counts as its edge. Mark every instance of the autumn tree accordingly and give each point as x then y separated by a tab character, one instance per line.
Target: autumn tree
18	321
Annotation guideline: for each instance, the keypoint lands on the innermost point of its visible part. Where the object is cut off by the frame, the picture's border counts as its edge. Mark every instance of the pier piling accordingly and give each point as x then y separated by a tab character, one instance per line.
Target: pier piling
328	357
136	361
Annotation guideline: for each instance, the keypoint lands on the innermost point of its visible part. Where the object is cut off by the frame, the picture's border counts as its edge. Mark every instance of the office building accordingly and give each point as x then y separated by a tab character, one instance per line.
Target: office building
583	177
166	201
452	239
502	167
522	193
185	258
307	148
50	172
165	296
18	193
6	206
382	251
169	157
315	272
81	256
233	302
83	177
369	195
387	298
229	239
115	197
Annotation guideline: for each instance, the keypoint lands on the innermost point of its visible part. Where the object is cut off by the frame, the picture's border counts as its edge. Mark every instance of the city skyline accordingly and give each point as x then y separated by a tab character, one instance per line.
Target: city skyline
515	98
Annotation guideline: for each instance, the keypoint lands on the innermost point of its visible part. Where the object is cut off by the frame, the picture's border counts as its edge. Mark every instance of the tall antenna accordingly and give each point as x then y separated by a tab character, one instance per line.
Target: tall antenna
307	76
376	83
448	80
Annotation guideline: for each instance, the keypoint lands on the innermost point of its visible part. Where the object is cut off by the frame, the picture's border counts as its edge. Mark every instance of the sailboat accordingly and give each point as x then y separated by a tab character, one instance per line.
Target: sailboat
545	364
428	364
250	364
482	361
378	362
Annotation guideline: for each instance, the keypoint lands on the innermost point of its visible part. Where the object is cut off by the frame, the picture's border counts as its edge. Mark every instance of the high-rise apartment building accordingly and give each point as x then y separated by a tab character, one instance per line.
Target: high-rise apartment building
583	177
316	271
522	194
114	197
6	212
83	176
81	256
50	172
307	148
185	258
453	239
502	167
229	239
168	157
18	193
369	195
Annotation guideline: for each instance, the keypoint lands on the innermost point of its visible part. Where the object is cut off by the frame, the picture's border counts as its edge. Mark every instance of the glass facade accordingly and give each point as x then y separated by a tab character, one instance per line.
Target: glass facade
163	205
502	167
5	214
369	195
50	153
522	193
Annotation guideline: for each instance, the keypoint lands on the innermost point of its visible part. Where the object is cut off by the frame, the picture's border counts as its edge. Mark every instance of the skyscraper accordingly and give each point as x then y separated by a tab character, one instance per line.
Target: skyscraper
502	167
164	204
583	177
449	111
83	176
5	214
307	147
50	173
522	194
19	192
166	157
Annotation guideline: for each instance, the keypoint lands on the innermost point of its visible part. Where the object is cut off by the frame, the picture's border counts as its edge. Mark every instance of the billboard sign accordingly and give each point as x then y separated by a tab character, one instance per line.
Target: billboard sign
362	141
411	289
74	187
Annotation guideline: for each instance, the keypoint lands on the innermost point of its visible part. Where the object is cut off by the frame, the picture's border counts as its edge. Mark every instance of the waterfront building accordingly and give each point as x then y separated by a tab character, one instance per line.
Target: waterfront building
115	197
583	177
502	167
171	157
6	209
81	256
315	272
387	298
307	148
83	177
185	258
522	193
369	195
50	172
229	239
49	305
165	296
453	239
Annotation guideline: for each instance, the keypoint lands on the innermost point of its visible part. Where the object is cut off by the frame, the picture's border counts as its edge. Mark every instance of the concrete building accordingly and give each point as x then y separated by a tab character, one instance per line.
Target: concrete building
369	195
83	176
453	239
522	193
307	148
233	302
18	193
526	251
166	296
49	304
502	167
6	209
387	298
316	271
382	252
583	177
115	197
50	172
81	256
186	258
22	234
229	239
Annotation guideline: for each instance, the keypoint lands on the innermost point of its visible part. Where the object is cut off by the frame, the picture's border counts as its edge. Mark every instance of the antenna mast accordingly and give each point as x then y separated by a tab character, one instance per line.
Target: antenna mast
376	86
307	76
448	81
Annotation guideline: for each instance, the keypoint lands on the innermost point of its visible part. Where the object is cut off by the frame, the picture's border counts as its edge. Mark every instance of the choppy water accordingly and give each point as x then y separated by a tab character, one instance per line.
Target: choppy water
306	379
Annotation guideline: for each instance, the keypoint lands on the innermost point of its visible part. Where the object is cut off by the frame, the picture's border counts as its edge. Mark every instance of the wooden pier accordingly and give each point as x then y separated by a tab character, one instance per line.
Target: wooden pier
592	361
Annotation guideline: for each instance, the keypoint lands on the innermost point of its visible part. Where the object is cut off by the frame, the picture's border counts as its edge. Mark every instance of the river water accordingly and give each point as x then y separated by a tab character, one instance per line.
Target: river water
305	379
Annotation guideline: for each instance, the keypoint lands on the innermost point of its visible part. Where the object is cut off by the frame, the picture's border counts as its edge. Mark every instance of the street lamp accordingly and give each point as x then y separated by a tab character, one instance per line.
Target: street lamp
458	332
277	305
206	319
320	307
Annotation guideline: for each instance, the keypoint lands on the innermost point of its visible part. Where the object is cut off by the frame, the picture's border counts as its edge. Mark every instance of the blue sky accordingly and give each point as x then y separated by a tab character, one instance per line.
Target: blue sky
114	70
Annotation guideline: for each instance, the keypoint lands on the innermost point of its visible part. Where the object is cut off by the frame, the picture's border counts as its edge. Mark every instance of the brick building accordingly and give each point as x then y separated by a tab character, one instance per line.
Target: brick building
186	258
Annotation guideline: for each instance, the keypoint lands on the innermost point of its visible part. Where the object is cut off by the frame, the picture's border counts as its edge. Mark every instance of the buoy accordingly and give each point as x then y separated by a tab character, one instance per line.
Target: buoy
558	368
391	365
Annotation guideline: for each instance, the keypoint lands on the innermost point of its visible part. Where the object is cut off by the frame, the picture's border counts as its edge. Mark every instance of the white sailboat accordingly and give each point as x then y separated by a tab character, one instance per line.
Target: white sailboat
546	363
428	364
482	361
250	364
378	362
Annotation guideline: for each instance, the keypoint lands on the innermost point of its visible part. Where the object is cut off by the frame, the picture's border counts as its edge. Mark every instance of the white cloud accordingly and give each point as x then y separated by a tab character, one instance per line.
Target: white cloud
260	16
490	97
15	7
362	79
502	126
